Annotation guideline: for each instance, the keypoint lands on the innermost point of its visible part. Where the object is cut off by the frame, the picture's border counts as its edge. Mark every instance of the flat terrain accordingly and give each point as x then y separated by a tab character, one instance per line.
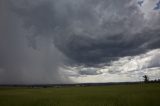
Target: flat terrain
113	95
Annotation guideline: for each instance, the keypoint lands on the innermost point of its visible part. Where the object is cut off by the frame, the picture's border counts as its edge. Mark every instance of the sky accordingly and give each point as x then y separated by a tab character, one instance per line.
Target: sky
79	41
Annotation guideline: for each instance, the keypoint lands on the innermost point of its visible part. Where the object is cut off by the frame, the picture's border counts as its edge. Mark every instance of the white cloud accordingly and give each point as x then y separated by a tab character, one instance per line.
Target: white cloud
130	68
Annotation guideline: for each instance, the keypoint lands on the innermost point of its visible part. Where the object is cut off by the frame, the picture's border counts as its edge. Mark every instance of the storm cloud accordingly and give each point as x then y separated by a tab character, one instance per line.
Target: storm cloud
26	58
39	38
106	30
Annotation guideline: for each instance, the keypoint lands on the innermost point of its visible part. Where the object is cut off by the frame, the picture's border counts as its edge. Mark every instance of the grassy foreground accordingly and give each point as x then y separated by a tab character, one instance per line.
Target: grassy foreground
115	95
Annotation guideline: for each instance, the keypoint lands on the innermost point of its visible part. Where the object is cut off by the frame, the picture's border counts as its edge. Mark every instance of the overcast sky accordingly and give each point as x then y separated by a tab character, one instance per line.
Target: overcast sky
70	41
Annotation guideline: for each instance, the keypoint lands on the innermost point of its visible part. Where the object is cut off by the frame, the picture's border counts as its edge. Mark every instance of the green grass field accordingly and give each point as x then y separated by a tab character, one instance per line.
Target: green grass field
115	95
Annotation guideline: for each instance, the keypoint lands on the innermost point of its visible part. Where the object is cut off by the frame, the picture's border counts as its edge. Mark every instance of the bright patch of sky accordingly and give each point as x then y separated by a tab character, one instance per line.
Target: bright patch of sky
130	68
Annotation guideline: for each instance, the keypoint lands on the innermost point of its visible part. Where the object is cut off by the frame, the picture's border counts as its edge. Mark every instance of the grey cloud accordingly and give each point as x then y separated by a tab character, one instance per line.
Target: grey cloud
116	30
45	34
92	32
89	71
19	62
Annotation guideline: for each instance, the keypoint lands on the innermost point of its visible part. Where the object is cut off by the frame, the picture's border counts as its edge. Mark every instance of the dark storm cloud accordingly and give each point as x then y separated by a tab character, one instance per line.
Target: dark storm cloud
91	32
98	32
40	36
19	62
91	51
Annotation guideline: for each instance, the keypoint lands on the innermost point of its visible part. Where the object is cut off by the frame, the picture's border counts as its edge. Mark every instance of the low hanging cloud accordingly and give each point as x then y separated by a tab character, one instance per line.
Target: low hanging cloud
39	38
130	68
25	57
105	30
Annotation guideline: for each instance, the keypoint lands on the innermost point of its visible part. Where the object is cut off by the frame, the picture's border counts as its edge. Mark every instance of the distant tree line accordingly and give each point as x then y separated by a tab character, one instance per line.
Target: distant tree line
146	80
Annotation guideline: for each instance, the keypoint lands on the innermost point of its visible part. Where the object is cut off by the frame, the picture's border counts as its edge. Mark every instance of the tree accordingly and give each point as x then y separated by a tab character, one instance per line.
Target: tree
146	78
